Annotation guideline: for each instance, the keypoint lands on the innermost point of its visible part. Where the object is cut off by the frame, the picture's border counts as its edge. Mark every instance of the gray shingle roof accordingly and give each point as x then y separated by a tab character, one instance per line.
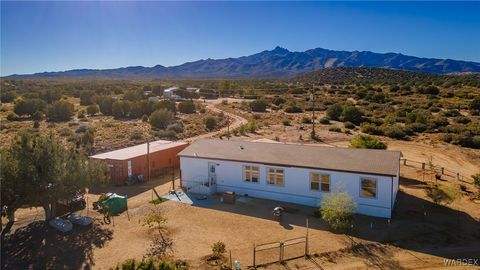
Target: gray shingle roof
368	161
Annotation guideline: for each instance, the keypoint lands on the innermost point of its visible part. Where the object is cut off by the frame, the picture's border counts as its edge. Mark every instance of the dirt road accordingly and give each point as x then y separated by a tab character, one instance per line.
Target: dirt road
237	121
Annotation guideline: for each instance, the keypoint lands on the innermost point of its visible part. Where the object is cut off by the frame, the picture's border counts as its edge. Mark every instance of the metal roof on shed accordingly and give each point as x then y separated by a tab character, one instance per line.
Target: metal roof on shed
138	150
367	161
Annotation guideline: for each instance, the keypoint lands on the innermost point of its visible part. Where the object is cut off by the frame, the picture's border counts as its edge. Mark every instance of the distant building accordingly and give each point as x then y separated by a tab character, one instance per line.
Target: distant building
193	90
170	92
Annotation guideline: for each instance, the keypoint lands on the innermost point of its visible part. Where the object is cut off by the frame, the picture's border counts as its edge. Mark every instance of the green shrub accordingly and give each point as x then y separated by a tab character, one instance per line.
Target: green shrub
324	121
335	129
371	129
293	108
161	118
395	131
286	122
166	134
12	116
349	125
61	110
210	122
352	114
186	107
306	120
337	209
442	194
93	109
334	111
366	141
259	105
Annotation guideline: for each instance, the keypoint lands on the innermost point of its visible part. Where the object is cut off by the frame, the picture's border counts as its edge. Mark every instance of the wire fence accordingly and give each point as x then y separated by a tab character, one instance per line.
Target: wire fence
437	170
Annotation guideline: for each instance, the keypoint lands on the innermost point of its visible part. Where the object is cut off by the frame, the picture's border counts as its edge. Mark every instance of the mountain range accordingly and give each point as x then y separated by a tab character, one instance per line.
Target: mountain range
276	63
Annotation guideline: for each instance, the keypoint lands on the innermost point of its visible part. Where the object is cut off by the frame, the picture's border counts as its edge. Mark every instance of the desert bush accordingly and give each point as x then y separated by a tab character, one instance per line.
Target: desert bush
337	209
161	118
278	101
366	141
93	109
252	125
144	118
334	111
36	124
394	131
177	127
286	122
29	106
324	121
352	114
106	104
165	104
186	107
12	116
61	110
349	125
136	135
462	120
335	129
7	97
166	134
306	120
259	105
210	122
475	104
371	129
293	108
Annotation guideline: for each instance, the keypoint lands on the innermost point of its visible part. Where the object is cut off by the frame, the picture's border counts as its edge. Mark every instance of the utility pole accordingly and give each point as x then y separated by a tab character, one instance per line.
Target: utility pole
312	98
148	160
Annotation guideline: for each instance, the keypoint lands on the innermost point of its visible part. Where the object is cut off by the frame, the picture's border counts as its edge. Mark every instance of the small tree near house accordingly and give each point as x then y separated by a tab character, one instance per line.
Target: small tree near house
337	210
218	249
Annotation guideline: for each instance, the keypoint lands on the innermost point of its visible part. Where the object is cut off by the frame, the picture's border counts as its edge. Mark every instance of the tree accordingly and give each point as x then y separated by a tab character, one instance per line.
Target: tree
161	118
334	111
92	109
366	141
352	114
86	98
337	210
120	109
38	170
210	122
259	105
186	107
51	96
61	110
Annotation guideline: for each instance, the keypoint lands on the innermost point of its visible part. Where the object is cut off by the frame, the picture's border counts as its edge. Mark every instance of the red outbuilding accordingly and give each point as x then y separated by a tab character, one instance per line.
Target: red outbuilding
133	161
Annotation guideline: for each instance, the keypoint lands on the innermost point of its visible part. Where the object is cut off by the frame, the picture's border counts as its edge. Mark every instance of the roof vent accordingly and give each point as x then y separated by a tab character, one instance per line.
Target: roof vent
195	154
241	147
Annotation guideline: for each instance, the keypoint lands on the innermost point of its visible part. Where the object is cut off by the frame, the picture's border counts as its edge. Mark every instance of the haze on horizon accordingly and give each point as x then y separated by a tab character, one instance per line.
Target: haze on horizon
57	36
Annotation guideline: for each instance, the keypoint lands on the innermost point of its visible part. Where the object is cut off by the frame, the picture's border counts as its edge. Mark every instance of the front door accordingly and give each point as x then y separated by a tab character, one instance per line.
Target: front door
212	177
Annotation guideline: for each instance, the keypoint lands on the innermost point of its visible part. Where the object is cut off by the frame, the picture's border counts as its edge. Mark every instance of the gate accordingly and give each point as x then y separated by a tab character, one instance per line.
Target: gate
274	252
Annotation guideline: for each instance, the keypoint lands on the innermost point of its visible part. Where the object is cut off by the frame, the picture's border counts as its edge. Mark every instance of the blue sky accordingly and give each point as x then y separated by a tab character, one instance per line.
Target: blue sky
54	36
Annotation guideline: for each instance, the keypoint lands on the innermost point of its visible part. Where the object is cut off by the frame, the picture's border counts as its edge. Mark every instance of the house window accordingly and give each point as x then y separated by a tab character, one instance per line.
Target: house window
368	187
251	174
320	182
275	177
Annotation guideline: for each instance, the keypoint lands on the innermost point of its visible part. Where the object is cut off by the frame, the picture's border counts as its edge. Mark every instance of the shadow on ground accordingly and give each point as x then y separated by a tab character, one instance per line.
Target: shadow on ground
38	246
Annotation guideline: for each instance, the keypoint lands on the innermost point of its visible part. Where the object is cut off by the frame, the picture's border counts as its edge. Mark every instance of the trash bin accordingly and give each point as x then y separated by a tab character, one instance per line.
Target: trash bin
228	197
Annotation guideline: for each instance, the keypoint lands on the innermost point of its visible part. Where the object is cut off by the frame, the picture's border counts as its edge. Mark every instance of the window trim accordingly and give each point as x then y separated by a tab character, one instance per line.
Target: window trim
275	174
250	171
376	187
320	182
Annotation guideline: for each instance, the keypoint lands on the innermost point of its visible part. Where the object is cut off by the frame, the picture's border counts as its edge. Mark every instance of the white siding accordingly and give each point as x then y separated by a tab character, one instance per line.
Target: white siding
296	187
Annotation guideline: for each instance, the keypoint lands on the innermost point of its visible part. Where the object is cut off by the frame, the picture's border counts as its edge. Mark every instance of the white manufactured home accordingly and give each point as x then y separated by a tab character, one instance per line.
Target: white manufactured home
294	173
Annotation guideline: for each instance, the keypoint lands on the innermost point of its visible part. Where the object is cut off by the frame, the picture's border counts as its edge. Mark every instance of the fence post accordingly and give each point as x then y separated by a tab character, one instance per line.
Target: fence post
254	265
306	241
230	256
405	162
458	176
423	165
443	169
281	252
